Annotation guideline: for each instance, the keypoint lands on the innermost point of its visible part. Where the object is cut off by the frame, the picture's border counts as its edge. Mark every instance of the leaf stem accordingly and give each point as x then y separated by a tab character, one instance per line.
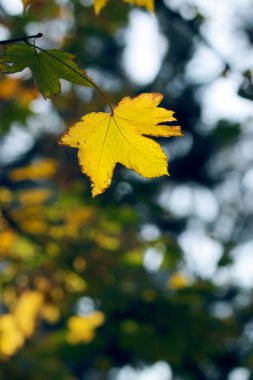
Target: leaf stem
20	39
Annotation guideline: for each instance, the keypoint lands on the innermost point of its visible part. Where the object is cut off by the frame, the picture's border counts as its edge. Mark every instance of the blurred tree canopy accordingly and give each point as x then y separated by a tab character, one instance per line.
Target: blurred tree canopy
89	287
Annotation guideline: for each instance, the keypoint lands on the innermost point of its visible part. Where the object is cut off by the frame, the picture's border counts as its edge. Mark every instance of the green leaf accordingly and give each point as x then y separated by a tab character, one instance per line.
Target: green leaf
47	67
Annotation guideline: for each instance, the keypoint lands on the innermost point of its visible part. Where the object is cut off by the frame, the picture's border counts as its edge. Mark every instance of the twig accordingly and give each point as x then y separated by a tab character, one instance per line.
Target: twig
20	39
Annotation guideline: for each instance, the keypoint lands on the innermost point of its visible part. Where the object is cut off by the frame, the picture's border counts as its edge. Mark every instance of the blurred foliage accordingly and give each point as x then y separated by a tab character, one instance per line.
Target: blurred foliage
88	286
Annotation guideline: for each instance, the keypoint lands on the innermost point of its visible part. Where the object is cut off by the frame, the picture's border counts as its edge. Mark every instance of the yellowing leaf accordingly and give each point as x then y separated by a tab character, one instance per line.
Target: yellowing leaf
6	195
148	4
99	5
27	310
12	88
38	5
26	4
9	88
39	170
50	313
7	240
34	196
11	338
16	327
178	281
82	328
106	139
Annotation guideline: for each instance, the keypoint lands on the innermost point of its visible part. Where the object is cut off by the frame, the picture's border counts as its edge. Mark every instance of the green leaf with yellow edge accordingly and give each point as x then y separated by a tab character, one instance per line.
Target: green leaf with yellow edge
106	139
148	4
47	67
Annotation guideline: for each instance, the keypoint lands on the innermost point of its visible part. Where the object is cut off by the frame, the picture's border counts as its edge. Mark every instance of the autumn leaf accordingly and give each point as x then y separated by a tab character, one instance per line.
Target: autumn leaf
82	328
148	4
99	5
9	88
35	4
46	70
26	4
13	89
38	170
16	327
106	139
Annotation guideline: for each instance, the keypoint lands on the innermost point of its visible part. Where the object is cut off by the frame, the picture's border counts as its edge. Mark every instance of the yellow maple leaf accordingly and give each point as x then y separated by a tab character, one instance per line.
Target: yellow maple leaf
106	139
148	4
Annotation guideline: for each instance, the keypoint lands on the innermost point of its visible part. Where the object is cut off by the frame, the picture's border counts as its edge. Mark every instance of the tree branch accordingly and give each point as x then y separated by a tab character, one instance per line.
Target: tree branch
20	39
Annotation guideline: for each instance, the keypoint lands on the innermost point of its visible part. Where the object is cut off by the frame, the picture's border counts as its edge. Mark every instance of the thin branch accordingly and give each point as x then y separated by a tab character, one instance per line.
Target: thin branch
20	39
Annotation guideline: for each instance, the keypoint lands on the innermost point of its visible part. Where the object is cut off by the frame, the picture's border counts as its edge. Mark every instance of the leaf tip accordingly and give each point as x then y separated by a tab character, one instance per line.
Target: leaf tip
95	191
